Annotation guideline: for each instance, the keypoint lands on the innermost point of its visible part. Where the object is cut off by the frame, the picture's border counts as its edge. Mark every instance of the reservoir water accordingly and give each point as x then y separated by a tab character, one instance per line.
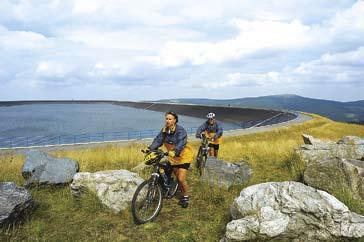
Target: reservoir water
72	119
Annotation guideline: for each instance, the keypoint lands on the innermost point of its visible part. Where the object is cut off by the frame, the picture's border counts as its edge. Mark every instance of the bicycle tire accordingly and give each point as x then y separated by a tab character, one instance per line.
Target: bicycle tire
173	190
152	191
198	158
202	164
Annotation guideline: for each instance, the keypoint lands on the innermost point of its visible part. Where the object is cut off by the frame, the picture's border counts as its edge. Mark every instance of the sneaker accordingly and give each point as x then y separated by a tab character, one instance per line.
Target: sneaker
184	202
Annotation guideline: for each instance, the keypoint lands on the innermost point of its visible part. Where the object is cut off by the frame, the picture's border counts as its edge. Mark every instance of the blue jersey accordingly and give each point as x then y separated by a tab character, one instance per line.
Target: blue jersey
178	138
216	128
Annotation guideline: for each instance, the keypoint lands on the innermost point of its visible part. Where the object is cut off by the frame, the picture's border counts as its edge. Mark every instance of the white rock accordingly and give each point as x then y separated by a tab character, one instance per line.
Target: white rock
290	211
114	188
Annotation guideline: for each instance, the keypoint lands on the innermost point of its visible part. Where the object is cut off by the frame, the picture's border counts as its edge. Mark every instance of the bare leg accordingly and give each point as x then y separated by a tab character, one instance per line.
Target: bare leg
211	151
216	152
181	177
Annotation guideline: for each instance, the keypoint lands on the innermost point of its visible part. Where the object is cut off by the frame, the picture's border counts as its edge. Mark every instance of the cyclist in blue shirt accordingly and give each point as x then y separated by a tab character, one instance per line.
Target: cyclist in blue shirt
211	129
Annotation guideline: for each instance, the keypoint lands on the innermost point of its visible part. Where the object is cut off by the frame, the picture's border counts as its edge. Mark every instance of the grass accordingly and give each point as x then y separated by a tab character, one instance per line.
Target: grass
59	217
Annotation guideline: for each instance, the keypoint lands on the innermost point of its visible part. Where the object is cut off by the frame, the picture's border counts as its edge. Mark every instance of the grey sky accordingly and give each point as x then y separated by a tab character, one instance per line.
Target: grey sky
138	50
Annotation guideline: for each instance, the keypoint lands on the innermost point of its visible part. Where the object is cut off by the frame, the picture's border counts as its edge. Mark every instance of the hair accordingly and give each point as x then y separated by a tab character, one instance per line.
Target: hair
173	114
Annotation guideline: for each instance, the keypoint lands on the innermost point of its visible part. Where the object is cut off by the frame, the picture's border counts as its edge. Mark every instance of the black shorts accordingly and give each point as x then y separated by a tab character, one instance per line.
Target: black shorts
215	146
183	166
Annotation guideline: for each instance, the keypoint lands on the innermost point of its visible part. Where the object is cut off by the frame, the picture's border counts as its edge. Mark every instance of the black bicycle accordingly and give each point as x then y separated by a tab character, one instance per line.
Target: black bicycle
202	154
148	197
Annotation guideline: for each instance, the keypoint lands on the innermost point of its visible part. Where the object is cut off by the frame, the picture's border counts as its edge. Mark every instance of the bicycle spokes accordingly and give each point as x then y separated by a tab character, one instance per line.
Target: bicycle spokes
146	202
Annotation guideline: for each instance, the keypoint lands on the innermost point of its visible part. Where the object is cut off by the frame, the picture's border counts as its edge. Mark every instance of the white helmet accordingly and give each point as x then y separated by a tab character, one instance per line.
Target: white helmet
210	116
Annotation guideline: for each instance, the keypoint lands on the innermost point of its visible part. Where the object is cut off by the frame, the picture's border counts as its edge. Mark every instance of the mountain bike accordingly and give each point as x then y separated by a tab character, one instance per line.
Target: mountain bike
147	200
202	154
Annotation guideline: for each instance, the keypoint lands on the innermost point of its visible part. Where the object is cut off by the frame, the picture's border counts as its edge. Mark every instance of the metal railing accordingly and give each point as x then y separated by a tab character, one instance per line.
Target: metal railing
31	141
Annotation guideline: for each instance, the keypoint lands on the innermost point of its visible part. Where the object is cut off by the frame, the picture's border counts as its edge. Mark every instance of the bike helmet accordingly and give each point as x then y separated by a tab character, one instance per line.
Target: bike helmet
210	116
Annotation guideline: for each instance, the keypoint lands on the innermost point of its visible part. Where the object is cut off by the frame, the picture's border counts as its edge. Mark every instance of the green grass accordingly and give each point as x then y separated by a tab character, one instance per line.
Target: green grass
60	217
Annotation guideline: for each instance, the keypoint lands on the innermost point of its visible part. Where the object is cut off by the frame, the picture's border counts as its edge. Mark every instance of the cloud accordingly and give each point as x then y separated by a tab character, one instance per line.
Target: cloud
225	47
22	40
340	69
253	36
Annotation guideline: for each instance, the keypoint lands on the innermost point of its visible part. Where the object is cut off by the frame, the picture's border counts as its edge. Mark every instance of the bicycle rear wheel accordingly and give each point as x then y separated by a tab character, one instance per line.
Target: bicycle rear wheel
172	190
147	202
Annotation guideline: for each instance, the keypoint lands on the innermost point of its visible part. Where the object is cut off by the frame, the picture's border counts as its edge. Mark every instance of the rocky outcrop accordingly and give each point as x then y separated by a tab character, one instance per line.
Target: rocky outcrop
337	174
42	169
335	166
348	147
291	211
114	188
224	174
15	203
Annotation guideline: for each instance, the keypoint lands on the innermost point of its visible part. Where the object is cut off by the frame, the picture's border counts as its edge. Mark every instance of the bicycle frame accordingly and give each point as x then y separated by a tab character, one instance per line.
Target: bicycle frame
202	154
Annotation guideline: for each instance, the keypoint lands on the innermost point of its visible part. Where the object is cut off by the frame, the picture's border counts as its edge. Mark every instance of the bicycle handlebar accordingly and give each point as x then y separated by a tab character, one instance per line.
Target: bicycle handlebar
159	151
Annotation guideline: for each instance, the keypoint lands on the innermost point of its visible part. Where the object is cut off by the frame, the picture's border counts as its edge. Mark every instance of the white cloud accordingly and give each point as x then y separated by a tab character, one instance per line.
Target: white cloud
219	45
22	40
254	36
53	69
340	68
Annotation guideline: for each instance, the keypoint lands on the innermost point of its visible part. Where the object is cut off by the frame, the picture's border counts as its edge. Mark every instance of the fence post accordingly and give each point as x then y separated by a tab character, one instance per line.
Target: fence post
74	139
59	139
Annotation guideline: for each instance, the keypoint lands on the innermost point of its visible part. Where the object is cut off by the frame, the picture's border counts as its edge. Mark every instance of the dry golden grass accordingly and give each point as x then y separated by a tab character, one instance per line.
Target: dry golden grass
61	218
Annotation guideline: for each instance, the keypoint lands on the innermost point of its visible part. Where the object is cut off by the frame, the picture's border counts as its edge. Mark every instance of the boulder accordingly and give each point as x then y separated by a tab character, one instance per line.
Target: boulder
15	203
310	140
342	161
291	211
42	169
225	174
114	188
337	173
348	147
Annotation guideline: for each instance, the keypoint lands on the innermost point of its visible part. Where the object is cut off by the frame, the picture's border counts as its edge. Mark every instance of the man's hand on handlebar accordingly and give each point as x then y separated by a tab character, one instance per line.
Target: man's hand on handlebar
172	153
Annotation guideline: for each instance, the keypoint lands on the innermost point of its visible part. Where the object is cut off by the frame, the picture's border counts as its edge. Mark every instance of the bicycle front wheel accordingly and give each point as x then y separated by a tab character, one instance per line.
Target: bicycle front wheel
203	159
147	202
199	158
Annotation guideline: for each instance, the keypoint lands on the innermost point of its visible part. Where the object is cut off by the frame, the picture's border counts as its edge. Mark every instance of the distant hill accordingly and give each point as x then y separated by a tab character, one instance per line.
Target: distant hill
340	111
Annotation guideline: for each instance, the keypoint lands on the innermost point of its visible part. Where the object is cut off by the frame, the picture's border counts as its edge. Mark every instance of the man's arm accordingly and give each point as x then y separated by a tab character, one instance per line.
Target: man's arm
157	142
200	129
219	130
181	141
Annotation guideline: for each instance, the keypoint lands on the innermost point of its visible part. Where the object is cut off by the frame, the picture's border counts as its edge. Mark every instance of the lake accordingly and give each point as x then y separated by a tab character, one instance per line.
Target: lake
76	119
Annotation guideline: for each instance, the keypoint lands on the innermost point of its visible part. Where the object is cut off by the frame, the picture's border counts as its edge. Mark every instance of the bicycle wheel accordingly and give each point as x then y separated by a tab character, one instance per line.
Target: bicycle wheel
172	191
147	202
202	164
198	158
